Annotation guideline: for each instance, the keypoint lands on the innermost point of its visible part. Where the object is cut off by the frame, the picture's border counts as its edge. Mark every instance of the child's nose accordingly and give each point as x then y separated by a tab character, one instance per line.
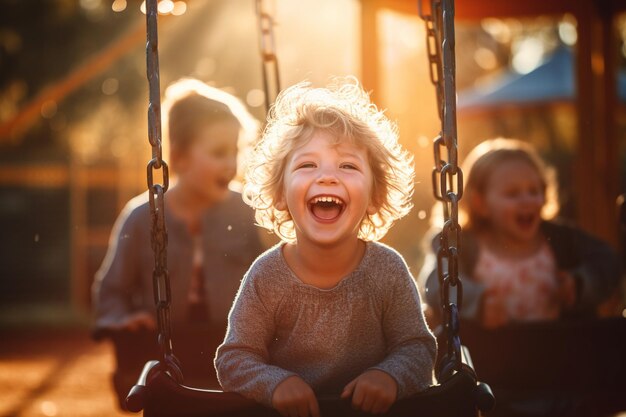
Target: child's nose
327	177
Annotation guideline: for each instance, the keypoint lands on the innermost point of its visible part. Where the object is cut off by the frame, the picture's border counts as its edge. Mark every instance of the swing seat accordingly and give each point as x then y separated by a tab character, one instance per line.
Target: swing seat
195	347
565	368
159	395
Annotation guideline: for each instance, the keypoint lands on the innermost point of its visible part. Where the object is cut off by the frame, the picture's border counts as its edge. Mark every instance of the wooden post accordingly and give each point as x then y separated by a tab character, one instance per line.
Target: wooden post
369	48
596	168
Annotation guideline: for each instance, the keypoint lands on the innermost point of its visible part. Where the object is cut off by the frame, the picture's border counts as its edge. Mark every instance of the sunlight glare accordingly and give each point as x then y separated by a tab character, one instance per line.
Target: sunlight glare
527	55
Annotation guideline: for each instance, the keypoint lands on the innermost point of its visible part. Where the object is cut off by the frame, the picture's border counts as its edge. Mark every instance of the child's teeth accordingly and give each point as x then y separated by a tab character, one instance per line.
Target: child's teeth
326	199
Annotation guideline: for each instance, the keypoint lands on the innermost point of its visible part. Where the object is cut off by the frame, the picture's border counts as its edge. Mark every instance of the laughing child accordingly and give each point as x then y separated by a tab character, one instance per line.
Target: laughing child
517	265
328	311
211	232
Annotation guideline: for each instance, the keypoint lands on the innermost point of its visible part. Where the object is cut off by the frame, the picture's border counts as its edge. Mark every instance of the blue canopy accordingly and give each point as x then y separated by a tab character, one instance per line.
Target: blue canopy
553	80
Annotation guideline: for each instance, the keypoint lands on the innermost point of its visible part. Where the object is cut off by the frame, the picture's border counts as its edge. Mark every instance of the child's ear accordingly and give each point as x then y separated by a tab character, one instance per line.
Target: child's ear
280	205
375	202
178	160
279	202
478	204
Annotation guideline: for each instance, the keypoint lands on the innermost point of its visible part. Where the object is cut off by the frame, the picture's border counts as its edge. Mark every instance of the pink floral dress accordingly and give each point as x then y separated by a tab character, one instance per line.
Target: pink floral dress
527	288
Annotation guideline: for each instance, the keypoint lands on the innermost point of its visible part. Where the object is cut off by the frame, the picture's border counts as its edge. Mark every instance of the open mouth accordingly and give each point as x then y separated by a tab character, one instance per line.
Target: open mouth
525	221
326	208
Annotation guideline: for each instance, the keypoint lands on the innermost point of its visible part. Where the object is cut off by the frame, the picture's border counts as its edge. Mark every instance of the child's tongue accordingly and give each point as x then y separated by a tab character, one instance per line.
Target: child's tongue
326	211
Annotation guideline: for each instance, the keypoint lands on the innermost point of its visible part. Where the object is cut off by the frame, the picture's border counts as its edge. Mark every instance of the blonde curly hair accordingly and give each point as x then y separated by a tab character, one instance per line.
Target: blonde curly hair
344	110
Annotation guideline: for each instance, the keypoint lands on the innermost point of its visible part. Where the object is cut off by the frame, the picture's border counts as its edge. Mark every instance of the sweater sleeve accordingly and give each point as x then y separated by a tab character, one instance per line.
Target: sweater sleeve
114	282
597	273
411	347
242	361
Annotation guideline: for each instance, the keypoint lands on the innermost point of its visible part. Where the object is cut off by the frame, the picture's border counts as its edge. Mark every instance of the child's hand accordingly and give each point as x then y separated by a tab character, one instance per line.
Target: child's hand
373	391
494	312
136	321
295	398
567	289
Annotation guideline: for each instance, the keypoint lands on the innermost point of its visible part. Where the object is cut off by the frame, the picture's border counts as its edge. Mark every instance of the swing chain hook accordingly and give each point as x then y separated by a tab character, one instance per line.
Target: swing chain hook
156	201
447	176
269	58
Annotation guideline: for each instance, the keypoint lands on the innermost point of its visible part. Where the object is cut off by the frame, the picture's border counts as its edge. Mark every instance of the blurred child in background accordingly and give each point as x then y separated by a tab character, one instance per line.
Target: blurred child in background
516	264
212	237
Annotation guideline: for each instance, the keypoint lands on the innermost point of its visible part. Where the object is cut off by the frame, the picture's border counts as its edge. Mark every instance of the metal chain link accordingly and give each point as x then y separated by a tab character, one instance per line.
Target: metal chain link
156	193
447	177
269	66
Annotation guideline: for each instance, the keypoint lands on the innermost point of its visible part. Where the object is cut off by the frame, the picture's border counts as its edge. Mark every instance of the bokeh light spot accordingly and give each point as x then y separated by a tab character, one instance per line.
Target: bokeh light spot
48	408
423	141
110	86
165	6
421	214
180	7
90	4
119	5
255	98
568	33
528	55
49	109
497	28
485	58
10	40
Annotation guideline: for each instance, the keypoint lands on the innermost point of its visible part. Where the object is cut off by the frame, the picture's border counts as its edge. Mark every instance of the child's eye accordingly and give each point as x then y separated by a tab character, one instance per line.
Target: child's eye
306	165
348	166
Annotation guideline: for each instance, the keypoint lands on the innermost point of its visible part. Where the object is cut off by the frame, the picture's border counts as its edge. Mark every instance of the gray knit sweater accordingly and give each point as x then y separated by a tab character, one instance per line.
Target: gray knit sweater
279	327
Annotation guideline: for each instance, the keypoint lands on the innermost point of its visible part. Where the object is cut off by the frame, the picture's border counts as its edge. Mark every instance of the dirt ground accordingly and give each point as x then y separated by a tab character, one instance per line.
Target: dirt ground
55	373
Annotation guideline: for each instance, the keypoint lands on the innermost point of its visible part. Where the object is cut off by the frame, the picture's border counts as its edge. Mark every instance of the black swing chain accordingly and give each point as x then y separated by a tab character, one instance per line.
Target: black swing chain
447	176
267	45
156	194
